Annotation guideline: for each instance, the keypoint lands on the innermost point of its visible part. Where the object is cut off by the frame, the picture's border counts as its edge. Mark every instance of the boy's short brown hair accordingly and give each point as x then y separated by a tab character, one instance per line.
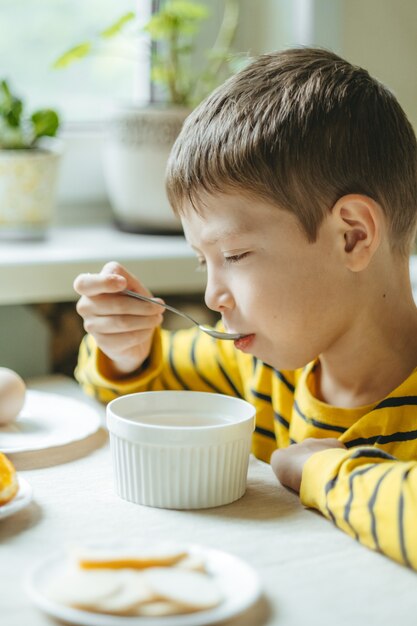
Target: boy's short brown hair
301	128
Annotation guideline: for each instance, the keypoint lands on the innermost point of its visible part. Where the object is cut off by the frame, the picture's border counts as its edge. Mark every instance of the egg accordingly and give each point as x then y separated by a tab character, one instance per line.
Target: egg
12	395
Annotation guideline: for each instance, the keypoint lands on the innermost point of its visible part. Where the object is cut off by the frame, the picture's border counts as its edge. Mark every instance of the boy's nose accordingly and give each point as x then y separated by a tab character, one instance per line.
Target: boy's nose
218	297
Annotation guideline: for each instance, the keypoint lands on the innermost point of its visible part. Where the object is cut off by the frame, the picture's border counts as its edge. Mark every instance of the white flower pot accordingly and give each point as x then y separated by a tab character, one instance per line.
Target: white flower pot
28	183
135	156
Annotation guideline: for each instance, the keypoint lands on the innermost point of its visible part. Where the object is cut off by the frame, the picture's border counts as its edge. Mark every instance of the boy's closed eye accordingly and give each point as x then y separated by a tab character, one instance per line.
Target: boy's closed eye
228	260
235	258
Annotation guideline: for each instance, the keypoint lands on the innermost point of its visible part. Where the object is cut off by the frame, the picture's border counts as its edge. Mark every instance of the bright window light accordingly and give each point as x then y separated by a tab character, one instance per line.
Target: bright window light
34	33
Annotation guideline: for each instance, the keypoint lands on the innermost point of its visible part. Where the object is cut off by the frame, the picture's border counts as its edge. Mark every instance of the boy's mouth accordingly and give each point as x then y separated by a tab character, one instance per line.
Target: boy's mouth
244	342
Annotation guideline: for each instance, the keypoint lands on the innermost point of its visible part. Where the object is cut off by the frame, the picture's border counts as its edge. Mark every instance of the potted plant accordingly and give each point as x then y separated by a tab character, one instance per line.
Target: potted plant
141	134
28	167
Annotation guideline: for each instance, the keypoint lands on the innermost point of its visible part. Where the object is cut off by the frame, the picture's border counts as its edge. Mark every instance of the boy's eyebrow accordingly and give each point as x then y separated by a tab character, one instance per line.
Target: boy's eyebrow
225	234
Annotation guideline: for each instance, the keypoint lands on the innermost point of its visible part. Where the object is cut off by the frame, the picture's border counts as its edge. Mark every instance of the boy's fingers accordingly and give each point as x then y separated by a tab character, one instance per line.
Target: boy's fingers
112	278
96	284
112	268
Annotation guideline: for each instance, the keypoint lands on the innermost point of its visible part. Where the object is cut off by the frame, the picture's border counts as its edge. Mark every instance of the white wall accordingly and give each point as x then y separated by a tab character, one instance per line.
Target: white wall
381	35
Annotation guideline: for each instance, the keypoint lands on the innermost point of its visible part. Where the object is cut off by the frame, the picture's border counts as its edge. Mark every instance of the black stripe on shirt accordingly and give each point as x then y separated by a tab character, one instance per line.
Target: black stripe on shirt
346	512
329	486
409	435
194	362
317	423
267	398
372	453
265	432
281	420
228	380
286	382
172	365
371	507
87	347
97	390
163	380
261	396
401	522
397	402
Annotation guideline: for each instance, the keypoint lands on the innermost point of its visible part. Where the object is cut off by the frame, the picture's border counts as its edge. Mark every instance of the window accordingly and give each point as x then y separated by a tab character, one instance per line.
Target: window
34	33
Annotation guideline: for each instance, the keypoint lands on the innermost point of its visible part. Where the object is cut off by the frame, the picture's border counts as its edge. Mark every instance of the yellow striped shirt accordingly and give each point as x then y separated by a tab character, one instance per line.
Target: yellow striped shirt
369	491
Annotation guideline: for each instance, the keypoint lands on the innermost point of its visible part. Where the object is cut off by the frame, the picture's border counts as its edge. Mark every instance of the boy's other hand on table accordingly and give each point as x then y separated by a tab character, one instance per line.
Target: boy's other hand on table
288	463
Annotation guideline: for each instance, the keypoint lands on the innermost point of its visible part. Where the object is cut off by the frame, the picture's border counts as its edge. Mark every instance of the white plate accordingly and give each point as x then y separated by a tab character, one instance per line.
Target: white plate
238	582
48	420
20	501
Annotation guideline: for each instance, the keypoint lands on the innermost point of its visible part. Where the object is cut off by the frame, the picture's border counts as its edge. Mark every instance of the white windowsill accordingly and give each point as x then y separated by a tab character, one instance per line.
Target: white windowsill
43	271
32	272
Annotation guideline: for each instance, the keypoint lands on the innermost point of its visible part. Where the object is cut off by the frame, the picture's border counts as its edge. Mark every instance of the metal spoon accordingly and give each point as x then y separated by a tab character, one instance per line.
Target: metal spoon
217	334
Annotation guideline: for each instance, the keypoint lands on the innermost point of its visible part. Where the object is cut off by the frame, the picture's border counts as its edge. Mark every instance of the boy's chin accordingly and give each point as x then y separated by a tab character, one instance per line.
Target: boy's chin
287	364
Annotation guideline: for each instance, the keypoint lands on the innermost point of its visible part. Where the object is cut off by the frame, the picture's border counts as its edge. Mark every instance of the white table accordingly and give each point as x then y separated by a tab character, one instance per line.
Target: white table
312	573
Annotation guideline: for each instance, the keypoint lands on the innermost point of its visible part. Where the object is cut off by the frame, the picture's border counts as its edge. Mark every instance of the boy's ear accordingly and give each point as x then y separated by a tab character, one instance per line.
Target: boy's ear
359	222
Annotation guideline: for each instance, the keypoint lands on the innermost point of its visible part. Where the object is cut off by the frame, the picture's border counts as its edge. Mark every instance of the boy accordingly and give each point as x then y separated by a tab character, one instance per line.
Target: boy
296	182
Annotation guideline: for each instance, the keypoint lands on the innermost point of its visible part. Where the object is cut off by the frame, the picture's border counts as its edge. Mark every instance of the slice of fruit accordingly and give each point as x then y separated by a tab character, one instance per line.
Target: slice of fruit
163	556
9	485
192	590
193	562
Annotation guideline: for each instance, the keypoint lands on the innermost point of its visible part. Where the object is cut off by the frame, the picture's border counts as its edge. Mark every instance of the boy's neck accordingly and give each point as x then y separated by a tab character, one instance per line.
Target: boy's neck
374	357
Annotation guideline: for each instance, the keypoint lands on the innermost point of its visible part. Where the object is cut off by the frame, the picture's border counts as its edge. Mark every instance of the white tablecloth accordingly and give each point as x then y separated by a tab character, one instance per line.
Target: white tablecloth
311	572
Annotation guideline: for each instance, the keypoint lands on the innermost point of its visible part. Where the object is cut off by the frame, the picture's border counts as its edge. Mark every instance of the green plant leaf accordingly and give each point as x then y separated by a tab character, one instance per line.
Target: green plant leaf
5	91
178	16
45	122
10	107
11	138
186	10
74	54
175	27
118	26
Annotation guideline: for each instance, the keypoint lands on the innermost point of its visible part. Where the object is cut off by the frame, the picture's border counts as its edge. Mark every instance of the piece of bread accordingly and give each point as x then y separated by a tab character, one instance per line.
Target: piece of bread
9	485
83	589
134	593
98	558
193	591
102	591
127	581
160	608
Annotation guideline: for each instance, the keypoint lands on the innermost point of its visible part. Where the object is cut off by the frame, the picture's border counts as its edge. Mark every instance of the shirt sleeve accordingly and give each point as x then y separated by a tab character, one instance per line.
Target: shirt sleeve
185	359
369	494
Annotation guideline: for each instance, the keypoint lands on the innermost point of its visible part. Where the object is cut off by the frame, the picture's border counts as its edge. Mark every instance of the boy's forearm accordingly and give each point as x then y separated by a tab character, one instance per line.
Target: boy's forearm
186	359
96	374
369	495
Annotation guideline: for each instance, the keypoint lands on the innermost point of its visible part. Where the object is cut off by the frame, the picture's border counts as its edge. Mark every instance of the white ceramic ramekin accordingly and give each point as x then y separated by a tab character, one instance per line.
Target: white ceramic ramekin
180	449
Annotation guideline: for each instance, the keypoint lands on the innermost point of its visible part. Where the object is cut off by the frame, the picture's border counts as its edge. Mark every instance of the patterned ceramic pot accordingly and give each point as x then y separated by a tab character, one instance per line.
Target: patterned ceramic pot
135	157
28	183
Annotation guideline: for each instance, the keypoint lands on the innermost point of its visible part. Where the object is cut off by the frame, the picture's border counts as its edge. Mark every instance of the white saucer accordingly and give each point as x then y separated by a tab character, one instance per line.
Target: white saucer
238	581
48	420
20	501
